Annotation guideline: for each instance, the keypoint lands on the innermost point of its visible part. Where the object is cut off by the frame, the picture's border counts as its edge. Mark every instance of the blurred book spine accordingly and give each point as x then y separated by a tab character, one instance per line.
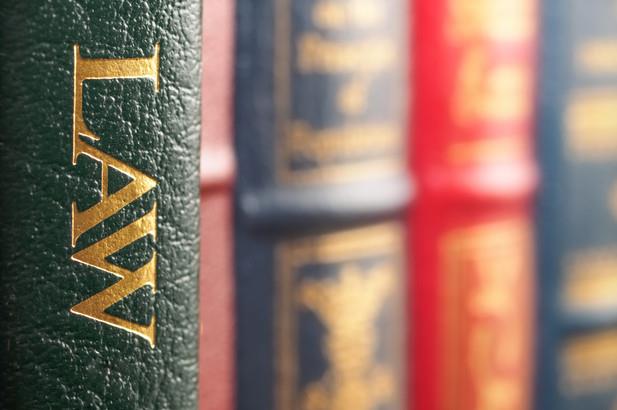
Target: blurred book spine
472	287
577	218
216	349
321	182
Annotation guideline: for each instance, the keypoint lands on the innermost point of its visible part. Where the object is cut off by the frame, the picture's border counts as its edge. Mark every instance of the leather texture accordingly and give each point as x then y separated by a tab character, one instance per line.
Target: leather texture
577	227
50	358
316	174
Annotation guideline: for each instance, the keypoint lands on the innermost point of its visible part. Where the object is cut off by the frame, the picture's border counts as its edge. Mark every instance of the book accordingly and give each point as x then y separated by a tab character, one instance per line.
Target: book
472	269
576	212
99	188
321	182
216	350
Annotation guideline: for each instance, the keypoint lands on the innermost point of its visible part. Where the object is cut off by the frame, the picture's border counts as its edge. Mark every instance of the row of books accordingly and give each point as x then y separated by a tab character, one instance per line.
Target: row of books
398	204
451	174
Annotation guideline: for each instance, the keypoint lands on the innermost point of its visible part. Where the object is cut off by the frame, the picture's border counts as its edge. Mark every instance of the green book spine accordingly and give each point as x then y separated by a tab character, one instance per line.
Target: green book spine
99	141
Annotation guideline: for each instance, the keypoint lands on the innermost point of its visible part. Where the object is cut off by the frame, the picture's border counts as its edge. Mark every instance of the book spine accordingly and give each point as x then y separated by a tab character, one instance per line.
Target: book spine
321	182
472	290
216	352
99	145
577	216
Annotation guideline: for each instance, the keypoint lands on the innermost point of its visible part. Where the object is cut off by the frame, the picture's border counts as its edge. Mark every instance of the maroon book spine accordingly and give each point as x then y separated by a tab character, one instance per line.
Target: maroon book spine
216	353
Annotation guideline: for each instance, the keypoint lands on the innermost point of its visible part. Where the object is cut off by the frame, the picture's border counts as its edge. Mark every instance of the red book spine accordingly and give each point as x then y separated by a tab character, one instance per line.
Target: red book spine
471	246
216	353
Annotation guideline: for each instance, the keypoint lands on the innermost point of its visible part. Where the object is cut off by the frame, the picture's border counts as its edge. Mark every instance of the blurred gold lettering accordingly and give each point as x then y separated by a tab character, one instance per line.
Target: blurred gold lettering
488	88
591	281
319	55
501	20
494	348
337	14
348	307
352	98
96	254
344	48
588	363
498	92
359	308
493	299
352	140
328	146
362	58
598	56
591	124
484	150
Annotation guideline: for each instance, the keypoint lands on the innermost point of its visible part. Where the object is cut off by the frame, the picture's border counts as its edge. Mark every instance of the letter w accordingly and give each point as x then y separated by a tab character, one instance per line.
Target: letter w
96	256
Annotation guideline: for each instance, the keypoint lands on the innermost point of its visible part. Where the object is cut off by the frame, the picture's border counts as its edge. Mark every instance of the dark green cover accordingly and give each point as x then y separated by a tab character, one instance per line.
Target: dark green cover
51	358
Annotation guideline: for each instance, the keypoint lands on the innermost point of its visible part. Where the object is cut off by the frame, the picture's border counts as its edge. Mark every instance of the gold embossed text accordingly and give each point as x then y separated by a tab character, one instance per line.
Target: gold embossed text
96	255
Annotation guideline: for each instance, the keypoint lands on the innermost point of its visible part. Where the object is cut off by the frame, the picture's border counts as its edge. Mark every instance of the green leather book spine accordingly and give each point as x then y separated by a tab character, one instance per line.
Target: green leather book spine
99	204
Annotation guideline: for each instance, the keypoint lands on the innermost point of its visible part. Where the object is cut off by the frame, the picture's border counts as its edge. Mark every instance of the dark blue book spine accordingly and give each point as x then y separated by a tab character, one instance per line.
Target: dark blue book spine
321	181
577	218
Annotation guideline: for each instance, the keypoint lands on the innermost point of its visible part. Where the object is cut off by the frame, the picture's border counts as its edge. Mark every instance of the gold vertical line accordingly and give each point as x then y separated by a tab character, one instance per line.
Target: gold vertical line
75	62
285	331
284	349
282	357
73	135
449	287
282	75
157	65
